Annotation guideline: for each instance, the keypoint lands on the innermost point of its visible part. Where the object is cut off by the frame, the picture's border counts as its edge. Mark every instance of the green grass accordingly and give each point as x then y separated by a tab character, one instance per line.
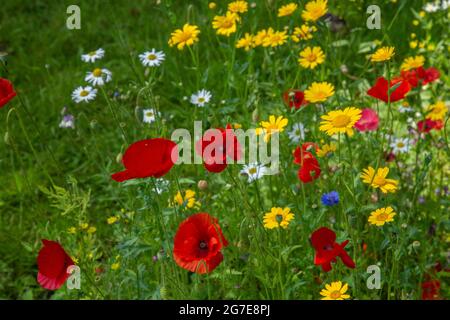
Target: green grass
36	156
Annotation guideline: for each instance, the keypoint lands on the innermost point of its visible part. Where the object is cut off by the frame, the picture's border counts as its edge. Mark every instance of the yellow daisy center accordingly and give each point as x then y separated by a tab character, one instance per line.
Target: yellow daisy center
151	56
382	217
93	53
201	99
185	36
400	144
311	58
335	294
149	114
84	93
341	121
379	181
97	72
227	23
252	171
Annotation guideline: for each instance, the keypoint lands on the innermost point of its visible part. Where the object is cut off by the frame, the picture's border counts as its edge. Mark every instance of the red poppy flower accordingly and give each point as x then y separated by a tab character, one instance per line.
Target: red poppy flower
6	92
430	290
428	75
309	171
148	158
324	243
419	76
309	166
52	262
368	122
427	125
294	98
216	149
198	244
380	89
303	153
411	76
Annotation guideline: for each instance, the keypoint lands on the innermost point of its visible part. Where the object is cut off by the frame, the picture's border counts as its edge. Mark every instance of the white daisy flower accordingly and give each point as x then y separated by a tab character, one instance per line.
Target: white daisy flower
68	121
404	109
161	185
93	55
400	145
85	94
430	7
297	133
152	58
254	171
149	115
98	77
201	98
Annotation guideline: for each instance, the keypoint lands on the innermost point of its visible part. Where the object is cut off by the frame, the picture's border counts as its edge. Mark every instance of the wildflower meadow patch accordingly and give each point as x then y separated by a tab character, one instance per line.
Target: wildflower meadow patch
229	150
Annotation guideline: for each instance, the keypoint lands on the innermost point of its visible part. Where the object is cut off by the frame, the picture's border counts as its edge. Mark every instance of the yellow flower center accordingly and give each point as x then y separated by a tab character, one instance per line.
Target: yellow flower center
185	36
149	114
382	217
252	171
151	56
97	72
379	181
92	53
84	93
335	294
400	144
201	99
227	23
311	58
341	121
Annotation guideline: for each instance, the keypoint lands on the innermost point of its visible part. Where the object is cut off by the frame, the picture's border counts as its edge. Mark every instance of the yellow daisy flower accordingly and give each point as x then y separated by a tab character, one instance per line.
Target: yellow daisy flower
340	121
84	225
437	111
278	217
188	200
314	10
319	92
112	220
381	216
246	42
287	9
326	150
272	126
184	37
412	63
304	32
378	179
311	57
335	291
72	230
383	54
91	230
259	38
115	266
238	6
212	5
226	24
274	38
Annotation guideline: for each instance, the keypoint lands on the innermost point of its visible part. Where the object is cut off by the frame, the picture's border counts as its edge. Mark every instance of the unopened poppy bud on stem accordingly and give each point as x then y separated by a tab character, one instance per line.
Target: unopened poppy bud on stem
255	116
203	185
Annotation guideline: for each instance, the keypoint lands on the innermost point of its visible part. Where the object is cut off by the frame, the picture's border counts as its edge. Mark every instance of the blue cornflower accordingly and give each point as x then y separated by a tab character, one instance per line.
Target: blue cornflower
330	199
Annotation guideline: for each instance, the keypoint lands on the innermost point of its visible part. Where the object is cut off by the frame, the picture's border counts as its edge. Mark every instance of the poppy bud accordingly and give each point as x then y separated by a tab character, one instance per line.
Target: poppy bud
6	138
119	158
374	198
203	185
255	116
